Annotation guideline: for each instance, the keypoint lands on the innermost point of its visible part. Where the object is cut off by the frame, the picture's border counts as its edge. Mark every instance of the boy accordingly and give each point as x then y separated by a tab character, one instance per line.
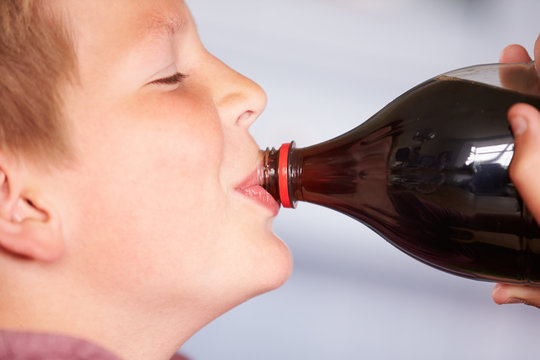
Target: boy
130	214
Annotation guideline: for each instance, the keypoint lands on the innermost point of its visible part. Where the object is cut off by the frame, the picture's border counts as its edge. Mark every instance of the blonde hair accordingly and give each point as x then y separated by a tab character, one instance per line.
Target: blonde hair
37	57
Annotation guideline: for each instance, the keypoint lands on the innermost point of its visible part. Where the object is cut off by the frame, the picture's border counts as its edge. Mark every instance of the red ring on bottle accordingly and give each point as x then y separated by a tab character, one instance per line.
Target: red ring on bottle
283	175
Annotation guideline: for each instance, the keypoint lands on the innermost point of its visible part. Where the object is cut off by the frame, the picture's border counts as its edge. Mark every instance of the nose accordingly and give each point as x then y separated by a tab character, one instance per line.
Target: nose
238	99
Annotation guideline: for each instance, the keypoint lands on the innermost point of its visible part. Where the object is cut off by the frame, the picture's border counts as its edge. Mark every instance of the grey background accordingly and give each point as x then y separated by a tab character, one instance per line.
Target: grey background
327	65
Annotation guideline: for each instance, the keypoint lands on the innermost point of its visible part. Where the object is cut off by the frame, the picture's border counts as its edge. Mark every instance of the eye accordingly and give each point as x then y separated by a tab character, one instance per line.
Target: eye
171	80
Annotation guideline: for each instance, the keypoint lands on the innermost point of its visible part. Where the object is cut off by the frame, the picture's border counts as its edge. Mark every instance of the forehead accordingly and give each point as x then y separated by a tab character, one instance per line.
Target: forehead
119	23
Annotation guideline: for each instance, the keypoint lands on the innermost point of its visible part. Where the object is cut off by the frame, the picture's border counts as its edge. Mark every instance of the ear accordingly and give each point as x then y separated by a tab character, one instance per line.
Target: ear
29	227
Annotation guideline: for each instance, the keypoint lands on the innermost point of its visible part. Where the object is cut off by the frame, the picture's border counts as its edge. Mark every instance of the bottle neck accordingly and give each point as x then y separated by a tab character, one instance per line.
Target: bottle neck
279	174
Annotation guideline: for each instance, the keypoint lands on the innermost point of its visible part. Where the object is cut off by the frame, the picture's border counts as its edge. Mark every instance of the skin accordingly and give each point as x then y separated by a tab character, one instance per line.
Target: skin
525	122
144	238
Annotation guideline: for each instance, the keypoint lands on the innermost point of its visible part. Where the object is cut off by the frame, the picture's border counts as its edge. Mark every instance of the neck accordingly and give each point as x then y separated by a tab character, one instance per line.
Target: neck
112	322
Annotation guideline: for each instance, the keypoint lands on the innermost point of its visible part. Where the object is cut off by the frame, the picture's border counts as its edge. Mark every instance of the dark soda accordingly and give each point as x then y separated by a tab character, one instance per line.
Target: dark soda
429	173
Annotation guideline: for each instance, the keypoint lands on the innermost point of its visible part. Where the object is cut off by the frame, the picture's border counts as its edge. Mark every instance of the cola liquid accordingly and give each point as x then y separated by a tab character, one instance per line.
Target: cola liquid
429	173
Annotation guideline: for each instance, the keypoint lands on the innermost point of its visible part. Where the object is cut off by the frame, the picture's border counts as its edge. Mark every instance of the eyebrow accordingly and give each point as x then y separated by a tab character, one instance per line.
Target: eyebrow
162	24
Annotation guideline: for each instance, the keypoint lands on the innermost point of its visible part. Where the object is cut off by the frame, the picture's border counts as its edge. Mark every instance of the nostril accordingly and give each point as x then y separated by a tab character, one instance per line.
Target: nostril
246	118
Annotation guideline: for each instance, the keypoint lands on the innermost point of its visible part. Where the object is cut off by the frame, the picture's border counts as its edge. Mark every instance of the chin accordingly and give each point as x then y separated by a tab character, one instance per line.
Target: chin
256	262
266	271
278	269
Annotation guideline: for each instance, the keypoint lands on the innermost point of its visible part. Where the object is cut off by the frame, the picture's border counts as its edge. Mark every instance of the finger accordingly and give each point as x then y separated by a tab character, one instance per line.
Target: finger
518	77
514	54
515	294
525	122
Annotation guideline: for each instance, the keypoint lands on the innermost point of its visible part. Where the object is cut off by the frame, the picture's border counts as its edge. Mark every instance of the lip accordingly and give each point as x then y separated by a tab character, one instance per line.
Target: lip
250	188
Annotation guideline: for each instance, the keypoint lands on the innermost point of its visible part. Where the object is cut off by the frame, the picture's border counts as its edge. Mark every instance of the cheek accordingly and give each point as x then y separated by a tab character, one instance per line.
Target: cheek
149	187
173	160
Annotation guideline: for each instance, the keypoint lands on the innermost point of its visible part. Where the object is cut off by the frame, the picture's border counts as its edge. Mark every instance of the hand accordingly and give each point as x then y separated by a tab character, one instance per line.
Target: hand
525	122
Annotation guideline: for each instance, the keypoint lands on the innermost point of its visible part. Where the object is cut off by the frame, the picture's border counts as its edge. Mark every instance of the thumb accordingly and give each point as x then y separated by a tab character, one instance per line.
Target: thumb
525	122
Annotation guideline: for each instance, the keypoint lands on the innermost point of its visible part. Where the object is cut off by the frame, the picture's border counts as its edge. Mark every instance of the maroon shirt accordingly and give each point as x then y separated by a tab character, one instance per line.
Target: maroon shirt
34	346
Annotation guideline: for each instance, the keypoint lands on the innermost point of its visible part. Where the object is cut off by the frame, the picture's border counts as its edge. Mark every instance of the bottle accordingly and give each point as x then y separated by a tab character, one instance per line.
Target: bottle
429	173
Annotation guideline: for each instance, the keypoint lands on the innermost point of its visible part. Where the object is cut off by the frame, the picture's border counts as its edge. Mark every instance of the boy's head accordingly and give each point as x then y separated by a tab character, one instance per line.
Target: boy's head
154	224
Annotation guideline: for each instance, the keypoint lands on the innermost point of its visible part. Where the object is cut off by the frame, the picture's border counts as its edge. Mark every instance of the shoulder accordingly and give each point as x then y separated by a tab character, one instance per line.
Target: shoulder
179	357
39	346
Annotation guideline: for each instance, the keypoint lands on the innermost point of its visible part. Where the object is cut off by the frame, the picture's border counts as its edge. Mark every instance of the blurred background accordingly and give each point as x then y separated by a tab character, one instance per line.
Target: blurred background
328	65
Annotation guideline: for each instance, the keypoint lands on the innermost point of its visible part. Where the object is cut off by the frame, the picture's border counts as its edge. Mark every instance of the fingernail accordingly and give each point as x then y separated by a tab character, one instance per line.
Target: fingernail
519	125
515	301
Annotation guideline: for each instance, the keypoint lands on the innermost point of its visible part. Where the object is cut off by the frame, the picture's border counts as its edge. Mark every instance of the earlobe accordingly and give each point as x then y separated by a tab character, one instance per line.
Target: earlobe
29	227
38	238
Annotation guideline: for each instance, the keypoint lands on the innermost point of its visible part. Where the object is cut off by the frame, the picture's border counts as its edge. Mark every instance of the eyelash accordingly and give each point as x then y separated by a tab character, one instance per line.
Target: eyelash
171	80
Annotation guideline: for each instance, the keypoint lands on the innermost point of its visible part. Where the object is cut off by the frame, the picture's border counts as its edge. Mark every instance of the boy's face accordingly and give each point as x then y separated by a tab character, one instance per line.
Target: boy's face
151	208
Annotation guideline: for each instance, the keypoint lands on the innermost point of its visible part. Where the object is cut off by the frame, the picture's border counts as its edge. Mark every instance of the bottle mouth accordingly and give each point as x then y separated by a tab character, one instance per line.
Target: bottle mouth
283	177
273	173
267	172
